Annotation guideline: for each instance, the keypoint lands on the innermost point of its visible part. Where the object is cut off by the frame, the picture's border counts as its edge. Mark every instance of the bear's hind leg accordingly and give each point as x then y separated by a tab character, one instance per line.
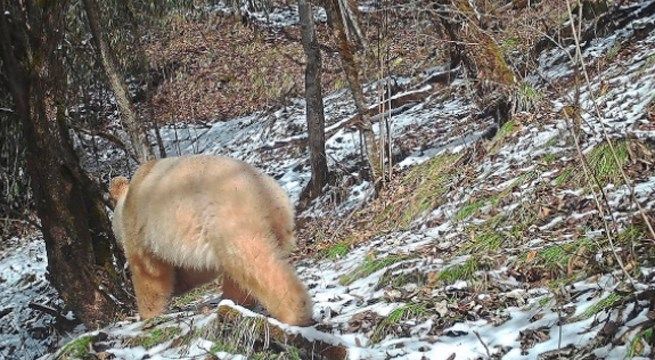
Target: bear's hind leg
153	281
232	291
255	264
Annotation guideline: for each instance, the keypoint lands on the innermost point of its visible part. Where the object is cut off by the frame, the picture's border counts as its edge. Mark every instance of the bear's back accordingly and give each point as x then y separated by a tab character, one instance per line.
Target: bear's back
181	204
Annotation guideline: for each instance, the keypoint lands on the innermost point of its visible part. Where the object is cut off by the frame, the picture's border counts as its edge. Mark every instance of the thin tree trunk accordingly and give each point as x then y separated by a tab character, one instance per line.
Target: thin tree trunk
351	67
314	101
106	56
74	223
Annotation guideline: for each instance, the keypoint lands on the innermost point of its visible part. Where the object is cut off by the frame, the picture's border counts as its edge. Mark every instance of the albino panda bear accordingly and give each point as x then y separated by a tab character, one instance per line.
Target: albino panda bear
182	221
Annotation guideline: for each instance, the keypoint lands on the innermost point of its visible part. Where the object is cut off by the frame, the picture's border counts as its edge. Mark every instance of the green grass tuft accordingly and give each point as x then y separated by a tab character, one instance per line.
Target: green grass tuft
507	129
614	51
630	235
486	241
370	266
527	96
405	312
464	271
428	182
398	280
637	347
602	305
155	337
603	165
558	255
220	346
509	44
337	250
552	141
469	209
544	301
564	177
549	158
77	349
431	179
192	295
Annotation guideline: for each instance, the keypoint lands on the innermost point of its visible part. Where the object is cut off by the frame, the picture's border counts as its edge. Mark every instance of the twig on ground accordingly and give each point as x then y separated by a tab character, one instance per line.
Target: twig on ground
486	348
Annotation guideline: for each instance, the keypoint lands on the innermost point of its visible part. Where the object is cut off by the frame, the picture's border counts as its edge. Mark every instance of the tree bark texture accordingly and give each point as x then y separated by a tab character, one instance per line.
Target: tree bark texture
314	101
336	17
135	130
481	56
76	230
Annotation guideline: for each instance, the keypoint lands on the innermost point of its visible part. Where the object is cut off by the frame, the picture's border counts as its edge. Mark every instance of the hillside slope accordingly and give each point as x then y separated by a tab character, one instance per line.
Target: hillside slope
479	248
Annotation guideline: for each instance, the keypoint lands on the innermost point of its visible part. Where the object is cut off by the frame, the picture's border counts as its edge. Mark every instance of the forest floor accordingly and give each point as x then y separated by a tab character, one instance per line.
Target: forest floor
479	246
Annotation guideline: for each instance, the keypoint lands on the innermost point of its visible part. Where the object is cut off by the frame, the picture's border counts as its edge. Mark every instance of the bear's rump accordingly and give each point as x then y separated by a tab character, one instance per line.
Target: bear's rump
183	234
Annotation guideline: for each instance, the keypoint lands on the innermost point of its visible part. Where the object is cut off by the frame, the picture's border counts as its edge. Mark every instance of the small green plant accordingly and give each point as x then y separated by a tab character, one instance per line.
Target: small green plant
551	142
527	96
549	158
649	63
370	266
564	177
429	182
405	312
505	131
524	217
220	346
485	241
469	209
339	83
155	337
293	353
464	271
603	166
77	349
508	128
630	235
614	51
558	283
337	250
637	343
557	256
509	44
523	179
554	255
545	301
602	305
191	296
396	280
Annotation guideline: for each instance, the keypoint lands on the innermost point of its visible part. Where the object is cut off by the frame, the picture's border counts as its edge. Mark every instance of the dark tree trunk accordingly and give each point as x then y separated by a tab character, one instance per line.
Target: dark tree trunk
314	102
75	226
109	63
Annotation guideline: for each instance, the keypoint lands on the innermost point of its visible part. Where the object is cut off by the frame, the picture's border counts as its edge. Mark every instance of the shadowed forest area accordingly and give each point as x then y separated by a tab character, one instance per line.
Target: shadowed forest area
471	179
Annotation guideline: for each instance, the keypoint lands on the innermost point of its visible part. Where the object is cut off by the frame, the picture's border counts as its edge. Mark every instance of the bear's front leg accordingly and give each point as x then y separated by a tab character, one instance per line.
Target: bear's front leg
153	281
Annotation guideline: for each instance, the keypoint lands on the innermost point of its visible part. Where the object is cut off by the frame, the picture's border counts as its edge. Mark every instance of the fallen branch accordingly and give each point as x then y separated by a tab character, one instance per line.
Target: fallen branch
486	348
399	104
107	136
50	311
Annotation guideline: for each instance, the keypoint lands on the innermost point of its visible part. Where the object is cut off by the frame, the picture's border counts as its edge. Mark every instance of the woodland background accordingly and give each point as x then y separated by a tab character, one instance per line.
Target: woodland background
91	89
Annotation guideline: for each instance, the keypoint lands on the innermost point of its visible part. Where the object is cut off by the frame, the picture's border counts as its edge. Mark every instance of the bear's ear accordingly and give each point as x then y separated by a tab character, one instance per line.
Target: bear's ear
118	187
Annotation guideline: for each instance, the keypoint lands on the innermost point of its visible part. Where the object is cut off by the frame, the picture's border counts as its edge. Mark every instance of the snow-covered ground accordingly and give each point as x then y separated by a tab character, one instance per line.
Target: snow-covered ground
496	310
